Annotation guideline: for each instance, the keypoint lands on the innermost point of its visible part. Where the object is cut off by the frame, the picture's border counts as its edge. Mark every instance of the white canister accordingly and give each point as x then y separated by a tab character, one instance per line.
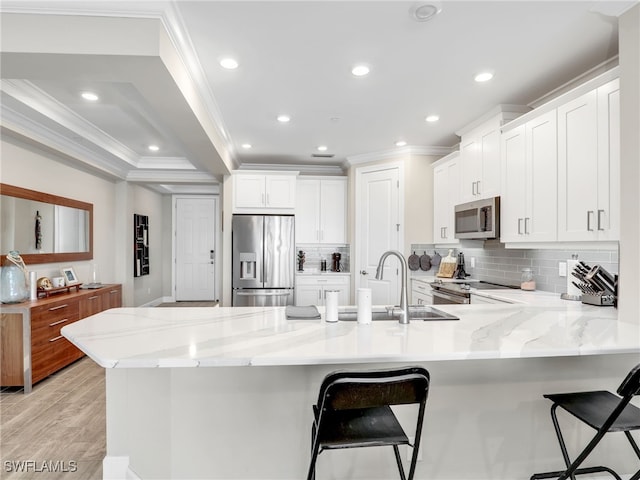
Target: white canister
331	305
33	285
364	305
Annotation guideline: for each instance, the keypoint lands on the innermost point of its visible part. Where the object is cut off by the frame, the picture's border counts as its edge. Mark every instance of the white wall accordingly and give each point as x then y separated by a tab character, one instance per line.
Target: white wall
114	204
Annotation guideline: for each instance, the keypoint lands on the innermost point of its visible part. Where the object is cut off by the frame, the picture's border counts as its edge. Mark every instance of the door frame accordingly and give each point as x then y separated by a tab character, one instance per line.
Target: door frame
359	172
217	270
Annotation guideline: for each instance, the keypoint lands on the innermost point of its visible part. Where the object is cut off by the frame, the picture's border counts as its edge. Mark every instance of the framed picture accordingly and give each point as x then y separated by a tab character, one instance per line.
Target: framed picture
69	275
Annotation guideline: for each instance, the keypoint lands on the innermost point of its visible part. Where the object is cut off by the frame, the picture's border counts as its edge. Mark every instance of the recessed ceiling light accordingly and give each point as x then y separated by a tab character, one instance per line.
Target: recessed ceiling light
425	11
284	118
154	148
483	77
229	63
92	97
432	118
246	145
400	143
360	70
322	148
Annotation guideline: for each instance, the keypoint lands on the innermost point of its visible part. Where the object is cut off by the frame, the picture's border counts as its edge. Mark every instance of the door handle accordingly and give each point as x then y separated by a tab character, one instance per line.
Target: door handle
363	272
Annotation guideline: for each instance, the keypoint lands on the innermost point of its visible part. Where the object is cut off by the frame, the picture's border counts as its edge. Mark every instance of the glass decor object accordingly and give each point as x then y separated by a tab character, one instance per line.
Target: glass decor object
13	279
527	281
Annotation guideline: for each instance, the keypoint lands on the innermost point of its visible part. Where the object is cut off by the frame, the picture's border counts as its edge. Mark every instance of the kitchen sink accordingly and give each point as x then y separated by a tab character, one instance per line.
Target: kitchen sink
416	313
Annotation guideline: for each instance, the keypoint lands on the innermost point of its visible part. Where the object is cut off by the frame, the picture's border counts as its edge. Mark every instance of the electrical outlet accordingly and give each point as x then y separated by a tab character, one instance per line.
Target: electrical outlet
562	269
410	449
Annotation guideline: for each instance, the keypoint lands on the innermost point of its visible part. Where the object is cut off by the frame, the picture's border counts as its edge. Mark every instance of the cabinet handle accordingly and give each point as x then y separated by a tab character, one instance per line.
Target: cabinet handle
58	322
262	201
113	291
600	212
59	337
519	226
445	232
526	225
93	298
473	188
268	203
58	307
589	213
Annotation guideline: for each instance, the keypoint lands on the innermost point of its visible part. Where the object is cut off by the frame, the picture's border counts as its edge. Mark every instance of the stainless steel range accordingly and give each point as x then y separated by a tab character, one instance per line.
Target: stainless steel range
447	293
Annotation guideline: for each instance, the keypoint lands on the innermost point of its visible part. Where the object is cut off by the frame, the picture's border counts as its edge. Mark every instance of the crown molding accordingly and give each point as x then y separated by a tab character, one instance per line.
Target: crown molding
170	176
395	153
301	168
166	163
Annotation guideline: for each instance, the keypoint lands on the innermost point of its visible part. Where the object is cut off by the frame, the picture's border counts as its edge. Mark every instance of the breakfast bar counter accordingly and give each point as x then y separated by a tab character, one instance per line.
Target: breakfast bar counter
226	393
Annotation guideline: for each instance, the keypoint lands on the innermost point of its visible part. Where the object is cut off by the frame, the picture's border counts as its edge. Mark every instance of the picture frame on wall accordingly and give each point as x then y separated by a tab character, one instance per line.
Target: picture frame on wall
70	277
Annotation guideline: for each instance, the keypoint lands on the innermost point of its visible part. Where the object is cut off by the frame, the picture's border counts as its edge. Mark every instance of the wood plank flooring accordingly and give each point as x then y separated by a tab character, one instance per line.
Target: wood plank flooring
61	424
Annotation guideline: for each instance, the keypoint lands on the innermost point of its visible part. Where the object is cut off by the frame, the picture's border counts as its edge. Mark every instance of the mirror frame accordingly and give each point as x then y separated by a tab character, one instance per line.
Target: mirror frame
31	258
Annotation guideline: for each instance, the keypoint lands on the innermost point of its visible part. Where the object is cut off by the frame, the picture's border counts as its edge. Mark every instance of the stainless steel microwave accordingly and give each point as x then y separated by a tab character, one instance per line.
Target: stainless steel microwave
478	220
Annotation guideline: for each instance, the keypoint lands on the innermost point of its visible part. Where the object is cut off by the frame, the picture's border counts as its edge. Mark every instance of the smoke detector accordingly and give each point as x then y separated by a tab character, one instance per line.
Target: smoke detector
423	12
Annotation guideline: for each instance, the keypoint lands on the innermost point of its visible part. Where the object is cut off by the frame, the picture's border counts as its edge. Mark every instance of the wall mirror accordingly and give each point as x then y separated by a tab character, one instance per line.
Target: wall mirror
45	228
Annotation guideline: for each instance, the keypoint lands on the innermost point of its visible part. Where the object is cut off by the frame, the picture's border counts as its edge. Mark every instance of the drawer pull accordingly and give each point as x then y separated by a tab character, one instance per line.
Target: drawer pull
94	297
56	338
58	322
113	291
58	307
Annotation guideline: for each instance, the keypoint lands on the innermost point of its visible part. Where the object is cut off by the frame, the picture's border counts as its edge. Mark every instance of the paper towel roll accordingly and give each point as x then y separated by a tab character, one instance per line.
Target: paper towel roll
364	305
33	286
331	305
571	288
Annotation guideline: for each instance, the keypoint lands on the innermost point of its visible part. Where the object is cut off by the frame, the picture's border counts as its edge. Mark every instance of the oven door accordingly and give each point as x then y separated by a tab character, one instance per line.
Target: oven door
444	298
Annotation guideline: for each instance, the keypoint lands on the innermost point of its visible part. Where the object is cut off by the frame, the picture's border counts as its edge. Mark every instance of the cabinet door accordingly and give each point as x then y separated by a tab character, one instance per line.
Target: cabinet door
488	183
578	169
608	213
513	201
280	191
91	304
471	171
308	211
333	211
249	191
446	194
540	222
308	295
112	298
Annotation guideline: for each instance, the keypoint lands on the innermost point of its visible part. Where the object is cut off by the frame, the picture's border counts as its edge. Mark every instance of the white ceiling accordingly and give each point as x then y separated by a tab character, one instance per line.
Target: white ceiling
295	57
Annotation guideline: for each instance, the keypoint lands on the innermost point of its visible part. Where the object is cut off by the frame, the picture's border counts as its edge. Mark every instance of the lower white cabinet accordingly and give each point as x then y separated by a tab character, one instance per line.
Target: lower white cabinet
421	293
310	289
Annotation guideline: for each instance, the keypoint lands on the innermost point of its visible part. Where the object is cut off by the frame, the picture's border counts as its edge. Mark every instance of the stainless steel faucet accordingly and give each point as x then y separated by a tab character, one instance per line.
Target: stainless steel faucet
404	295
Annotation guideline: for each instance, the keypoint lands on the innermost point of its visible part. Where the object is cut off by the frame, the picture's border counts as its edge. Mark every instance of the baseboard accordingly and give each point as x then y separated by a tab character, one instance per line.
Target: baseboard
117	468
157	301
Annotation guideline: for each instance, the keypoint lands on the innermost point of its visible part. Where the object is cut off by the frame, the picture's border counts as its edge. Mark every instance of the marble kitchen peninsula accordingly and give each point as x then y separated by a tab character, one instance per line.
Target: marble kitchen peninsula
226	393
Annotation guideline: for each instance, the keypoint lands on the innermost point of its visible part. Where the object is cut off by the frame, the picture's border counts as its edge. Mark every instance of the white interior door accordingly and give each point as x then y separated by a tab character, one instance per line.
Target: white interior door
195	248
378	229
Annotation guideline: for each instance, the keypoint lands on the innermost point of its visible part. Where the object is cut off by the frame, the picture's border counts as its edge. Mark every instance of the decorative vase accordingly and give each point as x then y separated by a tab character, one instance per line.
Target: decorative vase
13	279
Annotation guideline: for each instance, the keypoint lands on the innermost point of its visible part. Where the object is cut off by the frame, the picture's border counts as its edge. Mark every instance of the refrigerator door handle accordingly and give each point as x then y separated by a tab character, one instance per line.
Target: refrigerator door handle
263	294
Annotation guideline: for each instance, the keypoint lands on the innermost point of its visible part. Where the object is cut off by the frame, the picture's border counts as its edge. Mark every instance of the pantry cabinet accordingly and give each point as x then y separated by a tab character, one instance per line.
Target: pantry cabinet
529	196
31	341
264	193
446	195
589	166
311	289
321	210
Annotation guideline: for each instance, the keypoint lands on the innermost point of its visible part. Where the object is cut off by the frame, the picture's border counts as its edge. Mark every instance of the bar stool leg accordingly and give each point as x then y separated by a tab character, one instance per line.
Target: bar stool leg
563	447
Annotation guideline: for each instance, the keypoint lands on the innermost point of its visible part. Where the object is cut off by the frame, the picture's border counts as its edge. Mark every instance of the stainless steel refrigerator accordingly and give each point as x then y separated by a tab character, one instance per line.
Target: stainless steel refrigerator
263	260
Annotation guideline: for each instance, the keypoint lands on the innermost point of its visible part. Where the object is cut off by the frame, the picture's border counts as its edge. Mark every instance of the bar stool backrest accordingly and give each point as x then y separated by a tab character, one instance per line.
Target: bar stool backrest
369	389
630	386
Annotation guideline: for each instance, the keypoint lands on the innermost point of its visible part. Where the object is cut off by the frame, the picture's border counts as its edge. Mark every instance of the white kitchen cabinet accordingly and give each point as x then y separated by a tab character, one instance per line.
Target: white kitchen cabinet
446	194
321	210
421	293
529	196
264	193
311	289
588	166
480	162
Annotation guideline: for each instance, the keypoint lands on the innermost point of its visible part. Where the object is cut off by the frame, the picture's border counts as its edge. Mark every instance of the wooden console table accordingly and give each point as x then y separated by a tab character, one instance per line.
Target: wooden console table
31	346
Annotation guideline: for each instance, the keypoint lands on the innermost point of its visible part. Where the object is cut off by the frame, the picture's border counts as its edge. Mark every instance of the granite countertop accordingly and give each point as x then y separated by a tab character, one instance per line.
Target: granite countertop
262	336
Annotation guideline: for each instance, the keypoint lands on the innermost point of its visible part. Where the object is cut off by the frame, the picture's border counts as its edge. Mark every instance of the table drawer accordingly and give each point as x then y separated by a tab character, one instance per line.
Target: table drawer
52	312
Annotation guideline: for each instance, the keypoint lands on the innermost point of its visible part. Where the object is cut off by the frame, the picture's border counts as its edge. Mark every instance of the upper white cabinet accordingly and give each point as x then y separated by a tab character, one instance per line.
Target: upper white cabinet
446	194
321	210
264	192
480	162
529	196
589	166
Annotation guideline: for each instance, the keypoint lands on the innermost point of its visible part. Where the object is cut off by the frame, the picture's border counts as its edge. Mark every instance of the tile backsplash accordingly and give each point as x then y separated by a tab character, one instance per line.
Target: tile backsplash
494	262
314	254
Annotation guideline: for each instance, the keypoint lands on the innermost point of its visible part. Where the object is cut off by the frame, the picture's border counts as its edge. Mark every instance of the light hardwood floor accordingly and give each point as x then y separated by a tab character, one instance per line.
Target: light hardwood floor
62	420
